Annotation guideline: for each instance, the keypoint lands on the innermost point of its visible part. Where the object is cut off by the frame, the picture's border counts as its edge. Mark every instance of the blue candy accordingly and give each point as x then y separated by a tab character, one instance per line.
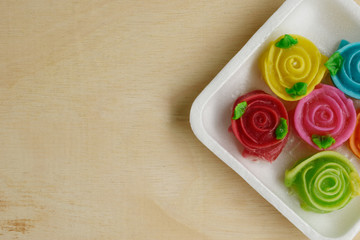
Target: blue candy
347	77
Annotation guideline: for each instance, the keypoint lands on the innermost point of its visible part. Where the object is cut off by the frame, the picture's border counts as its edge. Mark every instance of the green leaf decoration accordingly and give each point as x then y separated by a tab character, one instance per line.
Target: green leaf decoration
323	142
286	42
298	89
239	110
334	63
281	129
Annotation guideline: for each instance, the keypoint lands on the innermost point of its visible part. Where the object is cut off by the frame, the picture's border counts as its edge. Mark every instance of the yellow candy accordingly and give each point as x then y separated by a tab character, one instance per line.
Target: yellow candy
300	62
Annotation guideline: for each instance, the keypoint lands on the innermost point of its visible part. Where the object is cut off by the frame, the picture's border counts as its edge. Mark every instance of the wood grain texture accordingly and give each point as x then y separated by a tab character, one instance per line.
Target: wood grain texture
95	141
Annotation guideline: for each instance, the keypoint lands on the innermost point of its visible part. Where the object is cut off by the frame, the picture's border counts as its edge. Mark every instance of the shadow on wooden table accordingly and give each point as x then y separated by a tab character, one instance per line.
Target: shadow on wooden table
208	166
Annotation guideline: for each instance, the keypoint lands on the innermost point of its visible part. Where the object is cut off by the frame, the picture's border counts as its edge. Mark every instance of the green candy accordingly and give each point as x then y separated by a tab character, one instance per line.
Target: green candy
325	182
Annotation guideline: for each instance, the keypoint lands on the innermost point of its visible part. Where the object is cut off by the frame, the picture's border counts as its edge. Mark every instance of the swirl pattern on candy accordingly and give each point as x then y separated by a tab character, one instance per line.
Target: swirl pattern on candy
325	182
292	66
260	123
354	140
325	118
344	68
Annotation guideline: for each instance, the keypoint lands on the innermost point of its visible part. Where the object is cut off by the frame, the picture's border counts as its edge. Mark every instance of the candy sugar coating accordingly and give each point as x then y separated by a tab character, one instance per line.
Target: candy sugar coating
292	70
260	123
324	182
354	140
325	118
344	67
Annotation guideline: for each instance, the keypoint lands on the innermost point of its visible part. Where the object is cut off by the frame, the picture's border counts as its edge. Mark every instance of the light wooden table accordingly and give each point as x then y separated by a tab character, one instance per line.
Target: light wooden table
95	141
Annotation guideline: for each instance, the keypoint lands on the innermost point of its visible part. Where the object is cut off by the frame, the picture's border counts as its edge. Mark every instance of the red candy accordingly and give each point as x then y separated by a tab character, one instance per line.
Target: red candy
256	128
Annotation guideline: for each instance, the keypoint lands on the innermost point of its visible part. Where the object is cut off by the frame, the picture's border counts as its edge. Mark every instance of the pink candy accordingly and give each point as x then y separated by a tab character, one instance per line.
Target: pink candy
325	112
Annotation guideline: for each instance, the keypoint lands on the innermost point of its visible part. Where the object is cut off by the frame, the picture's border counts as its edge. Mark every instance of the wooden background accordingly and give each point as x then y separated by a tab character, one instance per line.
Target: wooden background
95	141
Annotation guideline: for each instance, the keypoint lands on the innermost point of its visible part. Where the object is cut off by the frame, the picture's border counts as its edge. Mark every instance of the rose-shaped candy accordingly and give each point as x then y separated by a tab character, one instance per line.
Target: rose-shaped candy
325	118
292	66
260	123
325	182
344	67
354	140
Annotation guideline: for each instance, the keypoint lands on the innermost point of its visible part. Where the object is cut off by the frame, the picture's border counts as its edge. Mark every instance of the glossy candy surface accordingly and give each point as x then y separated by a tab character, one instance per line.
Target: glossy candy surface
324	182
292	66
325	118
344	67
260	123
354	140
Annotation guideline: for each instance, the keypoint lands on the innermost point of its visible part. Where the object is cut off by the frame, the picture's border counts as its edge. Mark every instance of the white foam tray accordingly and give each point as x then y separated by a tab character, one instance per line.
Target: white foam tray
325	23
